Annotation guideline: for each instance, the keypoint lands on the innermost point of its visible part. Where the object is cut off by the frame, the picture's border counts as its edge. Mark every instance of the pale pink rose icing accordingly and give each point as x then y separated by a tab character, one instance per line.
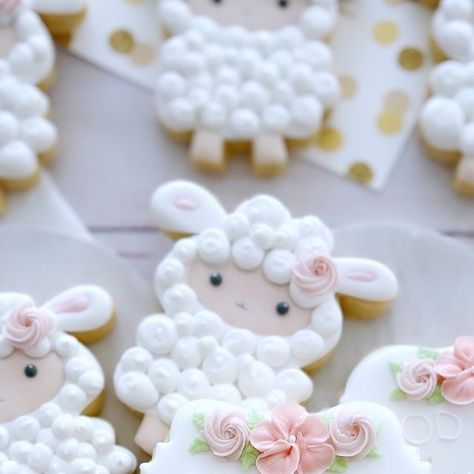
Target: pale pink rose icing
292	441
289	441
7	7
353	435
26	326
456	367
418	379
315	274
227	435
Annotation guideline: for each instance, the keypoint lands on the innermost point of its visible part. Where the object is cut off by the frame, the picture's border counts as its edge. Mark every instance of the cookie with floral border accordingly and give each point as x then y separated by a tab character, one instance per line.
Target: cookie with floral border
431	391
61	17
25	44
249	299
51	385
447	121
244	76
354	438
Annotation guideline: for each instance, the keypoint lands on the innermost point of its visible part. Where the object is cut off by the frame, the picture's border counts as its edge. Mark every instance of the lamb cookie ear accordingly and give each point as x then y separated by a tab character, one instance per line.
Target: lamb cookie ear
366	288
86	311
182	208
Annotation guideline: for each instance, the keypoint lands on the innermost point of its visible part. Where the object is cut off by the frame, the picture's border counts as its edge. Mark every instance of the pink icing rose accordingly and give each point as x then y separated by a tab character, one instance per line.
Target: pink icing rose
226	435
292	442
315	274
418	379
8	7
457	368
26	326
353	435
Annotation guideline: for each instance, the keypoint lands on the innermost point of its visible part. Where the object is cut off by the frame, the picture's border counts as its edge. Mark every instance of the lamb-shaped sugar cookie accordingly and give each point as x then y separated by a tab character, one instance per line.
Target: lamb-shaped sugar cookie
250	298
25	44
240	75
431	391
51	385
61	17
27	137
354	438
447	121
453	30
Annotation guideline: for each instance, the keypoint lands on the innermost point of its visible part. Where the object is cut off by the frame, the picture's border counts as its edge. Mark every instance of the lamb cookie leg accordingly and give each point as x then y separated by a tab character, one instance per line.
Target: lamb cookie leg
464	179
269	155
151	432
207	151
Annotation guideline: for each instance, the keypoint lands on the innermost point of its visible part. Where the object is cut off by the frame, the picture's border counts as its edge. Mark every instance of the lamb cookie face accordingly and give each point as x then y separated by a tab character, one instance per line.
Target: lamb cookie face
431	391
49	381
248	72
209	437
249	300
265	15
447	120
26	49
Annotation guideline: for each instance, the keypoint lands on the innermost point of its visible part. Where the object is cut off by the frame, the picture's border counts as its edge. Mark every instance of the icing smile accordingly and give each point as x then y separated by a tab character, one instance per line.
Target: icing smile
241	305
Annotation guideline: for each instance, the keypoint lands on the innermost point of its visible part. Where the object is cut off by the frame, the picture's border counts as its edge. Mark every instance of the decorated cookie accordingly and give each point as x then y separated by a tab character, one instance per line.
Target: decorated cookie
249	299
240	75
50	385
27	137
61	17
354	438
431	391
453	30
25	44
447	120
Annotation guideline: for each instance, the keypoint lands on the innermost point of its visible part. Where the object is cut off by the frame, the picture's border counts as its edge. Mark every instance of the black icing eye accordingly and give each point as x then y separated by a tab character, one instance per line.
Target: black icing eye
216	1
31	371
282	308
216	279
283	3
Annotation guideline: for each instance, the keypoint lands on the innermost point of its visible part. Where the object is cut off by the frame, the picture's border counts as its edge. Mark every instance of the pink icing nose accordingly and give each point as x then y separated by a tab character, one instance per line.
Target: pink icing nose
185	204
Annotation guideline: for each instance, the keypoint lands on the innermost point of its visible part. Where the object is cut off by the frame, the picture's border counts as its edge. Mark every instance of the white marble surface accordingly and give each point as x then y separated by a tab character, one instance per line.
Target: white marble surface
114	154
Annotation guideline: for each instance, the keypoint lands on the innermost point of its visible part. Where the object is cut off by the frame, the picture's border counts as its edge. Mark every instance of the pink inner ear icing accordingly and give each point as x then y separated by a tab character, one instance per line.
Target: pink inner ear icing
366	277
185	204
76	305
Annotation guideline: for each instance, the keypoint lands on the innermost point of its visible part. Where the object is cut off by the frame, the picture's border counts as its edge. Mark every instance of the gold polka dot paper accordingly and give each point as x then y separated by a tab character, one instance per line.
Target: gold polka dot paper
381	55
122	36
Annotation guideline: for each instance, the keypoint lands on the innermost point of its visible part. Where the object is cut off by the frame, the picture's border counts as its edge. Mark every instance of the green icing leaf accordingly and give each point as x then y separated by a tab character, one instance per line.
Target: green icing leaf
374	453
327	417
199	446
397	395
249	457
395	367
437	397
427	353
198	421
254	419
339	465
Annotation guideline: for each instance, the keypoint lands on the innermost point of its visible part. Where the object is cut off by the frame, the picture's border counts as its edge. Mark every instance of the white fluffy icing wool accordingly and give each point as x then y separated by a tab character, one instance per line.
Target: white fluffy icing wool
447	119
241	83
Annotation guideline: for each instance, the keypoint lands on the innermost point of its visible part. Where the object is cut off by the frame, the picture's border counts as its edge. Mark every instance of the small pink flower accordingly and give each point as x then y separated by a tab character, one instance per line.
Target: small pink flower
292	442
226	435
353	436
26	326
315	274
457	368
418	379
